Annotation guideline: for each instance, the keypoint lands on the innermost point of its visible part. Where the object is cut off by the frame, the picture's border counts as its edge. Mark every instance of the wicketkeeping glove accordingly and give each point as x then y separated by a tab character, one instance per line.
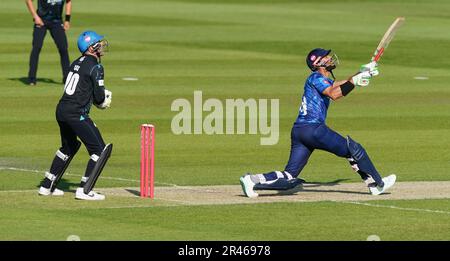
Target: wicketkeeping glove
107	102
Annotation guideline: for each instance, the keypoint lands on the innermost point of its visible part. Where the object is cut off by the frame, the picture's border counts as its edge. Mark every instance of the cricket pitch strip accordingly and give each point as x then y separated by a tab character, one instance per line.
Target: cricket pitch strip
310	192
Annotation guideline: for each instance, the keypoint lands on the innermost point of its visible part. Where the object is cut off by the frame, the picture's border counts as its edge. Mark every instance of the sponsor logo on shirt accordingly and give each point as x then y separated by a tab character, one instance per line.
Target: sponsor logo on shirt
54	2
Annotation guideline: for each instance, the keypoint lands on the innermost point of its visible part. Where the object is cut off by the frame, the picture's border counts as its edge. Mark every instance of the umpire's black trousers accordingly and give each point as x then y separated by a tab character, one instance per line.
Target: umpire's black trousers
59	37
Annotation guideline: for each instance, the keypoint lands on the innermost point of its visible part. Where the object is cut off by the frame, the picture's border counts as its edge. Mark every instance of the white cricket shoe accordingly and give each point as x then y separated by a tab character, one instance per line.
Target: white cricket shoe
247	186
92	195
46	192
389	181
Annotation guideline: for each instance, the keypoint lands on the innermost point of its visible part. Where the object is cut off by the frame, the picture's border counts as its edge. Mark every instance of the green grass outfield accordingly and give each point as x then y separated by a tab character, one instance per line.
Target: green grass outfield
229	49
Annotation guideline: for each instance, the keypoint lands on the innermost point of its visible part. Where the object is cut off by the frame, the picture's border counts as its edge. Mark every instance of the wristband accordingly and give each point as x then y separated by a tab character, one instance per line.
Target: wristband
347	87
68	18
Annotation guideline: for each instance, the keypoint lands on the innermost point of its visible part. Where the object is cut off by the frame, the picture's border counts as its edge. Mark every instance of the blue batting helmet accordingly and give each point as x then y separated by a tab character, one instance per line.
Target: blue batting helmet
87	39
314	56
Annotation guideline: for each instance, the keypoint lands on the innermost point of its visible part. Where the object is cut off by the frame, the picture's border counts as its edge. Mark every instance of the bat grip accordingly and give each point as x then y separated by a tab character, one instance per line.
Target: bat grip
378	55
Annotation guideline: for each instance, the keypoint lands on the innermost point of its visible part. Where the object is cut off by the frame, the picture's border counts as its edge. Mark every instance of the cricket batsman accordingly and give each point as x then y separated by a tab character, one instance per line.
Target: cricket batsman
310	131
84	86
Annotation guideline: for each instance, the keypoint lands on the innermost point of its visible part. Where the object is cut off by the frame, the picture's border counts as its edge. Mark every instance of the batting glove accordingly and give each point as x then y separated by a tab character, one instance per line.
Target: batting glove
371	67
362	79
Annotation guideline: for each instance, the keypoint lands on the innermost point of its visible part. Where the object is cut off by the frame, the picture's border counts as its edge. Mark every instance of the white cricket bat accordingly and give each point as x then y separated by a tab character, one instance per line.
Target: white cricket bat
387	38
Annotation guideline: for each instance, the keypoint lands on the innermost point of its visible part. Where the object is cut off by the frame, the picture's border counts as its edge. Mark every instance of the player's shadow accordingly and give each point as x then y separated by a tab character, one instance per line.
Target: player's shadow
65	185
304	188
134	192
332	183
25	81
335	191
327	184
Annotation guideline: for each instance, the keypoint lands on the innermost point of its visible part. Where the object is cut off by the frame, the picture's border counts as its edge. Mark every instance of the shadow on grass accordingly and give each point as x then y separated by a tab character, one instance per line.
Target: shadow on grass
134	192
25	81
336	191
301	189
327	183
304	189
64	185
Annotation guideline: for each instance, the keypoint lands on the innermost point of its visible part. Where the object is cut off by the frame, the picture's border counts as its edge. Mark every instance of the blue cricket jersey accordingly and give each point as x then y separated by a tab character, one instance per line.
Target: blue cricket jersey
314	104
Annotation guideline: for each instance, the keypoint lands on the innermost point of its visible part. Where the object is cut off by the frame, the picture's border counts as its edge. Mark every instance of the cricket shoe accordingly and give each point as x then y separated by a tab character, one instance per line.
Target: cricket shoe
92	195
389	181
369	181
46	192
247	186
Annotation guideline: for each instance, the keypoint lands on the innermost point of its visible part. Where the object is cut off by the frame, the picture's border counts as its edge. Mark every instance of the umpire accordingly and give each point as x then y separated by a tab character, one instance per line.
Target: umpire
48	16
84	87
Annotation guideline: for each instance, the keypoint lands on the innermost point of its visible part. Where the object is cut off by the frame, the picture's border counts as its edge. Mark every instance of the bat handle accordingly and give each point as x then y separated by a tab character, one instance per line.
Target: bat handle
378	55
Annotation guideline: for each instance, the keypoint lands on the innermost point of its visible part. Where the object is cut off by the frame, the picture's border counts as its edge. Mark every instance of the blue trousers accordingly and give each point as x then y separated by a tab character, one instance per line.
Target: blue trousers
305	138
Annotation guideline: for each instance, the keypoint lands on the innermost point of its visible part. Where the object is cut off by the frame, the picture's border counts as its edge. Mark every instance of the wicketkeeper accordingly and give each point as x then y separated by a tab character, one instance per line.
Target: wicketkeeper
310	131
84	86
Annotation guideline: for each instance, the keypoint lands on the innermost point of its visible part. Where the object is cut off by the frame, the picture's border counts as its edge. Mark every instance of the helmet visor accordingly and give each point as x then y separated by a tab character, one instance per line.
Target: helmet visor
101	47
334	61
329	61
